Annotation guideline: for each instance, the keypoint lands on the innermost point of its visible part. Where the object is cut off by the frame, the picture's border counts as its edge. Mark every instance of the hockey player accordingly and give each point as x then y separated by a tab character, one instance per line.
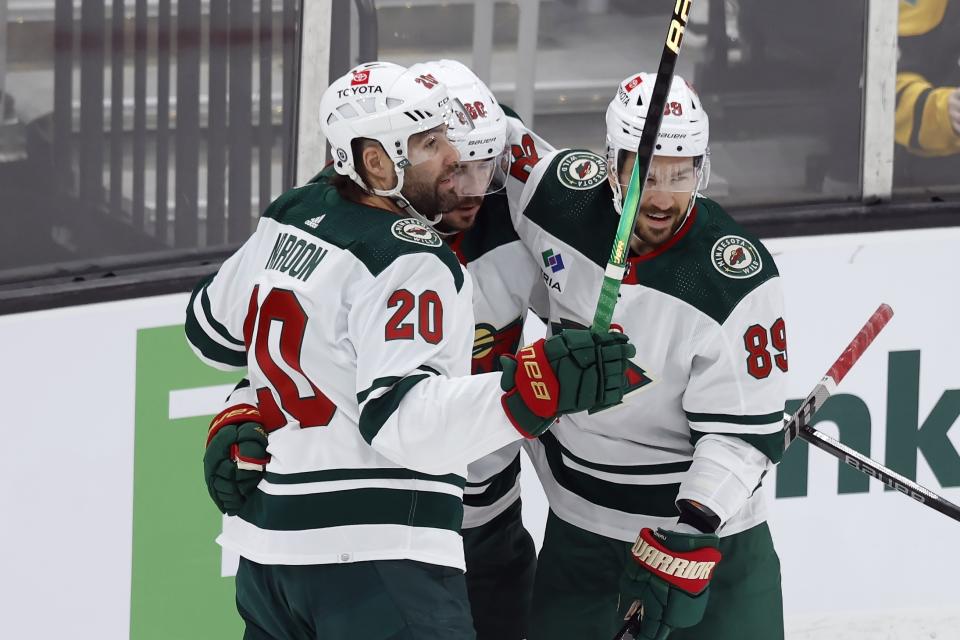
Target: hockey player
681	460
355	322
496	157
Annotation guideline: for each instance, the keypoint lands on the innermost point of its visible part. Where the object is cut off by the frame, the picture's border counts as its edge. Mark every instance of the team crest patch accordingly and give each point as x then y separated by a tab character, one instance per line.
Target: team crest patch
582	170
736	257
483	340
416	232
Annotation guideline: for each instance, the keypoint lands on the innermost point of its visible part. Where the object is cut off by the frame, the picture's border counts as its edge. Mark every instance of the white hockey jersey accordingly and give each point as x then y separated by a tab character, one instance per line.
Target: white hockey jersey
704	416
507	281
356	327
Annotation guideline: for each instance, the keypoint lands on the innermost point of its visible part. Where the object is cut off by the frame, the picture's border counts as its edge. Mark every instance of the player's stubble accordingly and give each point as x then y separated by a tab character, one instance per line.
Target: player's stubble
461	216
430	195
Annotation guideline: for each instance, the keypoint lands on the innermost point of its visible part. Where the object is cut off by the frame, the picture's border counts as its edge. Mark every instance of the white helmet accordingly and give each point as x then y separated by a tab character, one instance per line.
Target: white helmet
484	154
388	103
684	131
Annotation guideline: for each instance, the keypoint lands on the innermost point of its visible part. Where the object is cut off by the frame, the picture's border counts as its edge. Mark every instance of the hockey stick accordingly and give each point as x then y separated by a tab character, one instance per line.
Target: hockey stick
799	426
799	423
613	274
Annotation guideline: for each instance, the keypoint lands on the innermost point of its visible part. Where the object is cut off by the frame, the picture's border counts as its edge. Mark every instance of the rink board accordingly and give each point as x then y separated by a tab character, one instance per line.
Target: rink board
108	533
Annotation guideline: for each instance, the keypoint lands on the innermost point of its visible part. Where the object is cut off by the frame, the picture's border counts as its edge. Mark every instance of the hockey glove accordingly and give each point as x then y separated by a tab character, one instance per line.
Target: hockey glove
669	575
235	457
575	370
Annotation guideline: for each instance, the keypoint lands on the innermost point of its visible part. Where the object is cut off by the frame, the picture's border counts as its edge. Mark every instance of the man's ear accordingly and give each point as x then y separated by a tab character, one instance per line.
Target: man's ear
379	168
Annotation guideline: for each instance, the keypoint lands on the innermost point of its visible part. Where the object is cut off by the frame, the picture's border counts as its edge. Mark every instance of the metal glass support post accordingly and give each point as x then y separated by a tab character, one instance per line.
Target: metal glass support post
528	26
879	100
314	78
483	38
240	131
3	53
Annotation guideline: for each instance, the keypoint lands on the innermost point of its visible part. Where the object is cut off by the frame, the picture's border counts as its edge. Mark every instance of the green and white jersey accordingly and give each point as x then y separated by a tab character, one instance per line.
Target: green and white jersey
356	327
507	282
703	418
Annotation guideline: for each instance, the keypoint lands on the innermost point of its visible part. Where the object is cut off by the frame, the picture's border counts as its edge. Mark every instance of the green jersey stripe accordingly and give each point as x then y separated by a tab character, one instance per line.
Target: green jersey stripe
208	312
377	411
328	475
651	500
353	507
633	470
389	381
378	383
499	486
210	349
428	369
767	418
769	444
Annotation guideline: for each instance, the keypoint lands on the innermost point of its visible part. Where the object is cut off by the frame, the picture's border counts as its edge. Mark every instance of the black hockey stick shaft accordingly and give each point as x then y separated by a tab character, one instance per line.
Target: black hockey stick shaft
613	275
876	470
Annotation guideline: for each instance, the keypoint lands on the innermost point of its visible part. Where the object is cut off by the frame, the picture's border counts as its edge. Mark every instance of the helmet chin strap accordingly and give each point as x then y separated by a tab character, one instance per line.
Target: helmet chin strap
397	197
445	234
617	197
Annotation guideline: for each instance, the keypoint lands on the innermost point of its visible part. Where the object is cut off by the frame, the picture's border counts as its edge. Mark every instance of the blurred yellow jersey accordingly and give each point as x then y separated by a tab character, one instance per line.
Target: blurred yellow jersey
928	72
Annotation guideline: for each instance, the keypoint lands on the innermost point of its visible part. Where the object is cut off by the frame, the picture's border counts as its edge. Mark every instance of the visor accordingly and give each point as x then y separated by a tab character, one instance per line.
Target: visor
670	177
483	177
426	145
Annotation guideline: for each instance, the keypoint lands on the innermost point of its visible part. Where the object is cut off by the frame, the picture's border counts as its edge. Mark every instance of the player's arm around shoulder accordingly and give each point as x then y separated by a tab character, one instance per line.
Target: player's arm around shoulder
541	179
563	179
412	327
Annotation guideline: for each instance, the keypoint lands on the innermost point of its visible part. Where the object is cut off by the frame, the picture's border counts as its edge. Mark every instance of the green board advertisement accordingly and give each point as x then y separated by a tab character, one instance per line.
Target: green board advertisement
177	592
177	587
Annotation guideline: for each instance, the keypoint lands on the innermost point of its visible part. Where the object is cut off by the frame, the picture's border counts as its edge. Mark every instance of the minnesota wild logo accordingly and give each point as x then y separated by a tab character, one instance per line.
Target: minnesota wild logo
416	232
736	257
581	170
489	343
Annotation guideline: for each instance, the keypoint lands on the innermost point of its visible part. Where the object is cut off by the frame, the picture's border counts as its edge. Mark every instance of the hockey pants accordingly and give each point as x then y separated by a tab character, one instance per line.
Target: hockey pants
576	594
501	561
378	600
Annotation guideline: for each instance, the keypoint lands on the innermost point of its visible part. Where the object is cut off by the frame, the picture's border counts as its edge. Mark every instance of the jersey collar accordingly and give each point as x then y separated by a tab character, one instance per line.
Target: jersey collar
454	241
635	261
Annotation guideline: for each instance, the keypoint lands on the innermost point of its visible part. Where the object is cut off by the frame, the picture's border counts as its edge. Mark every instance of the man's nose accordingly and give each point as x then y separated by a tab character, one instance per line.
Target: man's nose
451	157
660	199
